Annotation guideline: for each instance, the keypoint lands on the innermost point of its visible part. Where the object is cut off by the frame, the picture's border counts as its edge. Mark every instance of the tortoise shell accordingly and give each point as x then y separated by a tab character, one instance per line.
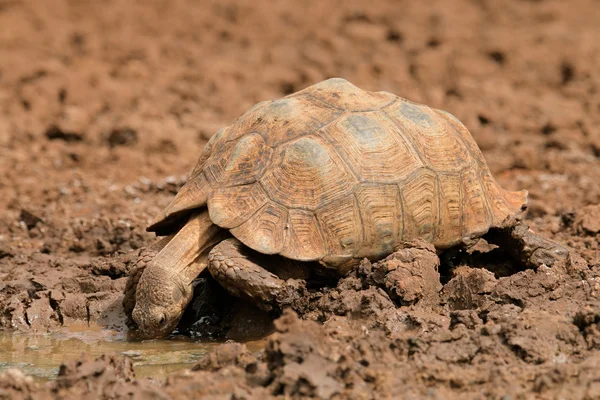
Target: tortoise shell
335	173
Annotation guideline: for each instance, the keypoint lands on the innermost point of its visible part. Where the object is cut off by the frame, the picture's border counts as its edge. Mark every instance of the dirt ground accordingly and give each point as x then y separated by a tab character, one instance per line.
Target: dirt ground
105	106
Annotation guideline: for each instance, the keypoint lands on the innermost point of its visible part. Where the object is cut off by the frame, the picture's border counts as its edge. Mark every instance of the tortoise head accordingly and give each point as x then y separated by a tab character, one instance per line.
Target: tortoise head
160	300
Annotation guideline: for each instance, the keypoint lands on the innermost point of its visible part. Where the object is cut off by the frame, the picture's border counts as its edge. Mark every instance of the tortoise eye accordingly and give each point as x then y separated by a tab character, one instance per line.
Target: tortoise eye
161	320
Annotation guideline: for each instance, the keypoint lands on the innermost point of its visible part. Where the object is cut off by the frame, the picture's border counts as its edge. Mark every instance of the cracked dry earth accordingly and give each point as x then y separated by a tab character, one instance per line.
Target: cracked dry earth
104	108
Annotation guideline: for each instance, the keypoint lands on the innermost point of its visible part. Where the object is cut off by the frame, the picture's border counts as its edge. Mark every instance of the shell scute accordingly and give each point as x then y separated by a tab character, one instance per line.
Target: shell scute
437	143
464	135
373	147
307	174
285	119
304	240
451	210
266	230
342	228
476	214
229	207
239	162
421	209
343	95
382	219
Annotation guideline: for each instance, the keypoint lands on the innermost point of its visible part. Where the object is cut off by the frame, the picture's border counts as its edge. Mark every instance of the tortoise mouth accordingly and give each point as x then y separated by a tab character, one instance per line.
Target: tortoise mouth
148	332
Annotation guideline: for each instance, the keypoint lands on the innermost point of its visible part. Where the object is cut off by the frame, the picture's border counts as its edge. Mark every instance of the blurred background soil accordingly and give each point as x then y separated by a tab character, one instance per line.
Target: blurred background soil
105	107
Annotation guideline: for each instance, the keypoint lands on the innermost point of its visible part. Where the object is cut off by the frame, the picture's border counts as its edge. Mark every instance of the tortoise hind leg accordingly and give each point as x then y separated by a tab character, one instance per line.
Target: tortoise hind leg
241	271
146	255
527	247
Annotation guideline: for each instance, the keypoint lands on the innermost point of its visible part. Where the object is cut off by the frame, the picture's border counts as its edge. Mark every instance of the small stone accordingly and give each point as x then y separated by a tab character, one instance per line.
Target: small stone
589	220
30	219
122	137
40	314
73	308
467	289
57	295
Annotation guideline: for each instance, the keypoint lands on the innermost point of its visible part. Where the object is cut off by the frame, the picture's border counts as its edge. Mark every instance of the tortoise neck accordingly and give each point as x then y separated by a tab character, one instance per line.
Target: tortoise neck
186	254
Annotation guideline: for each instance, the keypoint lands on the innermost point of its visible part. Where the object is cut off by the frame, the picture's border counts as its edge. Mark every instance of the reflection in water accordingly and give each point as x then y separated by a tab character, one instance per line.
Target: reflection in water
40	355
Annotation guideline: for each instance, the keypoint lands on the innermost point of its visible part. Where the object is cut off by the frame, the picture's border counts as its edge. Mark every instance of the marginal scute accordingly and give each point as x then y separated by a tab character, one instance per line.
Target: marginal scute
247	122
208	151
266	230
517	200
451	210
437	143
243	161
500	206
373	147
381	213
342	228
228	207
476	215
420	199
194	194
307	174
304	241
340	93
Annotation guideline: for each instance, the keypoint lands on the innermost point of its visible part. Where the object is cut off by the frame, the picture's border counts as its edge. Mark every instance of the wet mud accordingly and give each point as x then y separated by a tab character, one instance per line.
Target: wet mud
41	355
105	107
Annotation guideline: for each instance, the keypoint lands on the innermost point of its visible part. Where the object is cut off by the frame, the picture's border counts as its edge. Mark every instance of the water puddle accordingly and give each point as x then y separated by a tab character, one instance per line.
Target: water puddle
40	355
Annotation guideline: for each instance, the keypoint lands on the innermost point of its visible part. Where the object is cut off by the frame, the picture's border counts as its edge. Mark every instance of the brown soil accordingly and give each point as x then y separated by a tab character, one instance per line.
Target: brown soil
105	106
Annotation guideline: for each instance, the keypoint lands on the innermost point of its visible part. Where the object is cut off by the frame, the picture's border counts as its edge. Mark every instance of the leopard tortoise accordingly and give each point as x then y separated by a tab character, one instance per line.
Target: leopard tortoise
319	180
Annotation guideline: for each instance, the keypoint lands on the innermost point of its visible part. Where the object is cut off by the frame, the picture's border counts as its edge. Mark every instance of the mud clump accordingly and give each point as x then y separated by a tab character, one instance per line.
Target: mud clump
589	220
467	290
354	340
351	354
14	384
106	377
409	275
371	294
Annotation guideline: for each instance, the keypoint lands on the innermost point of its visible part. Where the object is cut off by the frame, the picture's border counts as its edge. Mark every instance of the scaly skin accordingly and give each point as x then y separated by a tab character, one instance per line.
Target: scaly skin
165	287
236	268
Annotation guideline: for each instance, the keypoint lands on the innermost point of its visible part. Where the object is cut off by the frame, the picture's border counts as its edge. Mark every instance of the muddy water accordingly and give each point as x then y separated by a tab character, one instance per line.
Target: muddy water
40	355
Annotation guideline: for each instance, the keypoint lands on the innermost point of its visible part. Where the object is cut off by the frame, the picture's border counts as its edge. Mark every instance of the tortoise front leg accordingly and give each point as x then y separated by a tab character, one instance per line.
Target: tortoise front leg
240	271
146	255
527	247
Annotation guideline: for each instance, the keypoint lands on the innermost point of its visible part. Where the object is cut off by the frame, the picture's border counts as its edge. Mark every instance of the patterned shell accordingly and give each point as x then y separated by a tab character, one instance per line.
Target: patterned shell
335	173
